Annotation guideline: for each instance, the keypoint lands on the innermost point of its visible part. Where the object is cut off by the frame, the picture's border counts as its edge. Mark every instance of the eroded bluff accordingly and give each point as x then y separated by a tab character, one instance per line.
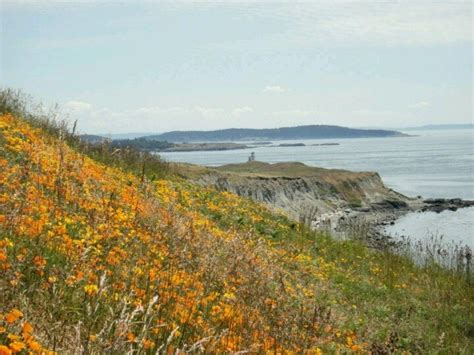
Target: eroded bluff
299	190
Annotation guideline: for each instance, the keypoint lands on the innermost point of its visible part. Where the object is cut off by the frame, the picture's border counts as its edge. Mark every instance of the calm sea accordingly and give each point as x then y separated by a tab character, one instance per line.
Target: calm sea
430	164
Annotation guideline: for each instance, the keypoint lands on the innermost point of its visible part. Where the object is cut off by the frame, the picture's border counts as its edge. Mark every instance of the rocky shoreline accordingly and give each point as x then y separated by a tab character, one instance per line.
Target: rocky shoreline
370	223
345	203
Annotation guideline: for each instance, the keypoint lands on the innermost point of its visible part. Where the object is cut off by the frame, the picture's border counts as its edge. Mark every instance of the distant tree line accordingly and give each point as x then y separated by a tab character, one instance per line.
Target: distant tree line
141	143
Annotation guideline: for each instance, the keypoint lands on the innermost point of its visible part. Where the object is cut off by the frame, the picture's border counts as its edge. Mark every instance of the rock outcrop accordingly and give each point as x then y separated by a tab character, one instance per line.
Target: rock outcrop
302	191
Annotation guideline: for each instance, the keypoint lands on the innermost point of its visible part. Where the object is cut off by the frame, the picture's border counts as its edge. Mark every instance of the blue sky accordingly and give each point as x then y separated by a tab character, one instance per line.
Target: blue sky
136	66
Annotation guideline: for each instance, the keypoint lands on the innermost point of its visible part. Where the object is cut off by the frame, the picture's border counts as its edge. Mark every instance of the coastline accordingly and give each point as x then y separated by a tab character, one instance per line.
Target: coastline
371	223
345	203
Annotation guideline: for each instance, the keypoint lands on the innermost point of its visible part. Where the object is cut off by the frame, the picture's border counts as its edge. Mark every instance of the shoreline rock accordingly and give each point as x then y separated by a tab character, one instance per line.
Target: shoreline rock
387	213
441	204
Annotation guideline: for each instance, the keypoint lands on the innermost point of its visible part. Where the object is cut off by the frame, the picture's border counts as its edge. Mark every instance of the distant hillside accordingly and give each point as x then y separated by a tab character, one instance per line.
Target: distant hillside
299	132
141	144
131	135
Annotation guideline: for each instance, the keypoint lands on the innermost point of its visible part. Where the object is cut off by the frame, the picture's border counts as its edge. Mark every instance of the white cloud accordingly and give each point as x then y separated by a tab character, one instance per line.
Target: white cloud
421	104
208	111
273	88
77	106
370	112
334	23
297	112
150	118
202	111
157	110
377	116
241	111
389	24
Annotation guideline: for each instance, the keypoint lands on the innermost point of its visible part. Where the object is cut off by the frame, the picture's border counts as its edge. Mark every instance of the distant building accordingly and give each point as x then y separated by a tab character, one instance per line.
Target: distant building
252	157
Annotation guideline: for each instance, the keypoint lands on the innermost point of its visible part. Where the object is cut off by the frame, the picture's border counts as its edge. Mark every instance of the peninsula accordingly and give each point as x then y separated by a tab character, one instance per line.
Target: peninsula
284	133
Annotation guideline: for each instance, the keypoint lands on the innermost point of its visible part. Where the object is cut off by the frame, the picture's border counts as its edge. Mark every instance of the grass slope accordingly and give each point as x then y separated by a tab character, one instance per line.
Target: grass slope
99	259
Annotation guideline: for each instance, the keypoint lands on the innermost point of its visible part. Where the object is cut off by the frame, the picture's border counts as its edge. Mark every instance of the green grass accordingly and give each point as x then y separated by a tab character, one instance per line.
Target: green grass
412	307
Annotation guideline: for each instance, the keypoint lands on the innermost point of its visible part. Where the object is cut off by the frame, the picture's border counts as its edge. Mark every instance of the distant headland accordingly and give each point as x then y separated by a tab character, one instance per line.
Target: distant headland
284	133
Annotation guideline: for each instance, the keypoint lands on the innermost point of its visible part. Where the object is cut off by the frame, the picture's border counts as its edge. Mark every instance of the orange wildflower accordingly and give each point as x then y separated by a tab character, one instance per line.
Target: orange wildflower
39	261
17	346
34	345
148	344
131	337
27	328
13	316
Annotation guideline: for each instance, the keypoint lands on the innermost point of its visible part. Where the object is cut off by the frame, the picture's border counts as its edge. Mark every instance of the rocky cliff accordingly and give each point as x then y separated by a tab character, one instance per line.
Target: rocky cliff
299	190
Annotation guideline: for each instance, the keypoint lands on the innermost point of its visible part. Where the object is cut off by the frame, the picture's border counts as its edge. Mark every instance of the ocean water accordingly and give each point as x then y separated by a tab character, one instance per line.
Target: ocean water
429	164
456	227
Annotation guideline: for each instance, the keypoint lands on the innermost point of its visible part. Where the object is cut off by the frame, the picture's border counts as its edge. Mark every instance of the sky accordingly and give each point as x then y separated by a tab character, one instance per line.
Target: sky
149	66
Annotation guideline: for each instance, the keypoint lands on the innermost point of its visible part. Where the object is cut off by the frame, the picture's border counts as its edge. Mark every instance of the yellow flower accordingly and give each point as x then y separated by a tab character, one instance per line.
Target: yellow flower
13	337
229	295
349	341
91	289
52	279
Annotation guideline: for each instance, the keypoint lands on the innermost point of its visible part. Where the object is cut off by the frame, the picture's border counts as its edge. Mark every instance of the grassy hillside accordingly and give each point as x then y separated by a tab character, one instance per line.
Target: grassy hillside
101	256
288	169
